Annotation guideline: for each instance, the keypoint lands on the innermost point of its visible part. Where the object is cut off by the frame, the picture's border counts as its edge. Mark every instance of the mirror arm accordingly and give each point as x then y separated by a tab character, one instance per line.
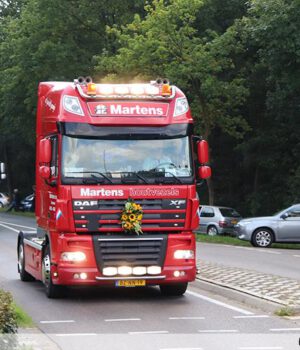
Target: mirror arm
52	183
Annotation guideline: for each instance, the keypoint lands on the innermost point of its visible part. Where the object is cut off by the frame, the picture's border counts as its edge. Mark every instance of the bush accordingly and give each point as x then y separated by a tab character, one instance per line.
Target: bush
8	321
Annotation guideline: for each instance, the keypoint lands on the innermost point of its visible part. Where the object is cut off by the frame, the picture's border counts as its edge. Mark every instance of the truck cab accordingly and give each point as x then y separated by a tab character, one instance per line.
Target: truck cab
100	147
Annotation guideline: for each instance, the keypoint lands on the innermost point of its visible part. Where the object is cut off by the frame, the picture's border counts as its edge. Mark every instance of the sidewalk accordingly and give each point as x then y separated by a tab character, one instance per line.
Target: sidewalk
280	290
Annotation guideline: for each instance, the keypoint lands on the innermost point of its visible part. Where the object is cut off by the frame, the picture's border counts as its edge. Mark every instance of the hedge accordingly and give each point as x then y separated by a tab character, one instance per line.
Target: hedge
8	322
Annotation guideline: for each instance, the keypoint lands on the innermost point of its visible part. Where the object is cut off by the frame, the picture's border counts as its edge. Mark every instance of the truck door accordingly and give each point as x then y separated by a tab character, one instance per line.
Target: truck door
52	188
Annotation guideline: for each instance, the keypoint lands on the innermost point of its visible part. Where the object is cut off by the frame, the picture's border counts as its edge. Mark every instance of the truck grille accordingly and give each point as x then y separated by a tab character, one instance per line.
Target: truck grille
92	215
129	251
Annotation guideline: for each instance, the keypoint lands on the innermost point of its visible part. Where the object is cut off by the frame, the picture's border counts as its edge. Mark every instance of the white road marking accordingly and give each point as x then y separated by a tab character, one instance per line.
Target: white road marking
122	319
9	223
296	256
217	302
258	250
284	329
261	348
58	321
252	316
187	318
181	349
9	228
75	334
219	331
149	332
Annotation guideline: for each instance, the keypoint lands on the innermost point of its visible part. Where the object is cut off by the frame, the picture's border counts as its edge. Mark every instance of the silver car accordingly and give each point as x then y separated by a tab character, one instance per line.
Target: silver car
217	220
4	199
283	227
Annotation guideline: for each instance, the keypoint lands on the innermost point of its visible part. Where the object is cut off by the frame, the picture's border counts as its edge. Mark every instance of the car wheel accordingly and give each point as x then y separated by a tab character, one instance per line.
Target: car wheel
24	275
1	205
52	291
212	231
262	238
173	289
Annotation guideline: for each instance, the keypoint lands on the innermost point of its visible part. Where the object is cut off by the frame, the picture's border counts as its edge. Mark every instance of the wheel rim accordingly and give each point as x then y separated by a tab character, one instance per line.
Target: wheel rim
21	258
46	270
212	231
263	238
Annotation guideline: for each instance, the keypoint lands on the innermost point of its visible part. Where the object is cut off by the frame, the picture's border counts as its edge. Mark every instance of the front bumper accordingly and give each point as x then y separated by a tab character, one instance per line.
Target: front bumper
242	232
66	276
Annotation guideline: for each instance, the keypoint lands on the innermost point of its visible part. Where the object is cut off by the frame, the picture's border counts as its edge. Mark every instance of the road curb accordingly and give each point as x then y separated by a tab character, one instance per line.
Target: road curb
35	339
243	297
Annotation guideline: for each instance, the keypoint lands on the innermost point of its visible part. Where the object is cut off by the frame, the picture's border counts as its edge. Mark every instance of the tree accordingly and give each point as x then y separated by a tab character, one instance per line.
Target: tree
46	40
168	43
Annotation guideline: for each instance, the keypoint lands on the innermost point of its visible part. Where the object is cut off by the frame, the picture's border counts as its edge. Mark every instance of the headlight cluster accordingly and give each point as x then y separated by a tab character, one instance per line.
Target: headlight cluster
73	256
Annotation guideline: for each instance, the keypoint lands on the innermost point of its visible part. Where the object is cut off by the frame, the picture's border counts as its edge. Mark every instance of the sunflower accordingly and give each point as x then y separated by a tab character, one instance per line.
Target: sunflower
131	217
124	217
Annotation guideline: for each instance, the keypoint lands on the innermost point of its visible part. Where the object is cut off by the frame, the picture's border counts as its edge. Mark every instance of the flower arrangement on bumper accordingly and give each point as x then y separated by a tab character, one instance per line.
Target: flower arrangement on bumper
131	217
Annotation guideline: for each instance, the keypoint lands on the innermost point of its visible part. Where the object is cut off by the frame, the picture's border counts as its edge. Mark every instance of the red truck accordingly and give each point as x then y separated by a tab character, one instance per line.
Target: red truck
116	200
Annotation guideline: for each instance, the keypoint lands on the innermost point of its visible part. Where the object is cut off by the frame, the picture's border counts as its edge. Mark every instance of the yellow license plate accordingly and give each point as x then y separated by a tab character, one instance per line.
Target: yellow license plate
131	283
234	222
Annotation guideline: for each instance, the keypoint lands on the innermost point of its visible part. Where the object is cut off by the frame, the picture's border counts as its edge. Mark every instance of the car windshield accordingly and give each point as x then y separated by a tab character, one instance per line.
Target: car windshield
112	160
229	212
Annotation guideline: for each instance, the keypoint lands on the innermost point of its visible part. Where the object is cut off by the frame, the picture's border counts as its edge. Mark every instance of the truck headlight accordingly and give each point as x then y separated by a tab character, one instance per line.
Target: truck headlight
73	256
184	254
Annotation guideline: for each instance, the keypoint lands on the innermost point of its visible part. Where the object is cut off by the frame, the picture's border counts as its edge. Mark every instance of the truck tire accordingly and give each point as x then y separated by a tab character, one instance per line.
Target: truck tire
24	275
177	289
52	291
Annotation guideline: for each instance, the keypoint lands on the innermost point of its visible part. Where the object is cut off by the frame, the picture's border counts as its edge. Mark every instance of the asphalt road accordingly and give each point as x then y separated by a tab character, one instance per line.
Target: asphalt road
140	318
281	262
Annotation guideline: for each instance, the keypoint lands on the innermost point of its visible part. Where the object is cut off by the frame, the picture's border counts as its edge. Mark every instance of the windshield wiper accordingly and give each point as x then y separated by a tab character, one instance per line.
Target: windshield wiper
159	178
99	178
129	177
93	176
173	176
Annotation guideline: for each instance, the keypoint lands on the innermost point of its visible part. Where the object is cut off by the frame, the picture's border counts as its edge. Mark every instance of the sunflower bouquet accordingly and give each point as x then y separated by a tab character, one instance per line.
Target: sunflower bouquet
131	217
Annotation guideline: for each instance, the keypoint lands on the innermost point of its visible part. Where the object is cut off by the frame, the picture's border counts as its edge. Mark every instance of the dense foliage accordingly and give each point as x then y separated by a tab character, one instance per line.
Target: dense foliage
238	61
8	321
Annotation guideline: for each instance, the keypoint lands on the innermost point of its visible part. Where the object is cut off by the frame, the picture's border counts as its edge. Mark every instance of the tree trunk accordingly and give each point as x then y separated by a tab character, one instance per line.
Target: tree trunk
211	193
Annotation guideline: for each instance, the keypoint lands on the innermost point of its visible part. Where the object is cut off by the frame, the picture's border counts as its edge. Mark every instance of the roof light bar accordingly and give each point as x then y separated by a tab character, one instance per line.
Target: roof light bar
128	91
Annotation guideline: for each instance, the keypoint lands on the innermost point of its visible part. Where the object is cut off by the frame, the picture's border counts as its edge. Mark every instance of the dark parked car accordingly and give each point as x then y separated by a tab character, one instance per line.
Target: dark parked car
28	203
217	220
283	227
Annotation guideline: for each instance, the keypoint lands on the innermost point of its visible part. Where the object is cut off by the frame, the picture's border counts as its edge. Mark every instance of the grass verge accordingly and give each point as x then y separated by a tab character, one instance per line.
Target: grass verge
285	311
22	318
237	242
18	213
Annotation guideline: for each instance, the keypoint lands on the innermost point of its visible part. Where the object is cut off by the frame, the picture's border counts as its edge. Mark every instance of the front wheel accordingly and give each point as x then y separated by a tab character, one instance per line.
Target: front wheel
24	275
262	238
177	289
52	291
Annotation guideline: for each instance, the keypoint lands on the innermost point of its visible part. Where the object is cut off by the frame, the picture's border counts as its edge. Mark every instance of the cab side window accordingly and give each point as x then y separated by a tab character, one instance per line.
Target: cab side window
54	160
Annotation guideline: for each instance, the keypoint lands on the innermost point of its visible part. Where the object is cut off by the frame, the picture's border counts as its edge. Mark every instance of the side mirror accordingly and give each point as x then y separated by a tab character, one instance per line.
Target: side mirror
45	151
284	216
202	152
204	172
45	172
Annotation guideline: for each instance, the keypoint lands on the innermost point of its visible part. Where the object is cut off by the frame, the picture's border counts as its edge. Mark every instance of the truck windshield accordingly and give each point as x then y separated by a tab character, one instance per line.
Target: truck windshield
90	160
